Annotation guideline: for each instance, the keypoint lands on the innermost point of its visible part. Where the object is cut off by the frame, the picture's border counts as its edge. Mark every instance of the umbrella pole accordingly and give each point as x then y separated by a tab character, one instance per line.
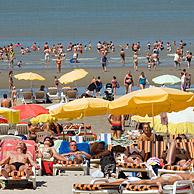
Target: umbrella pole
153	128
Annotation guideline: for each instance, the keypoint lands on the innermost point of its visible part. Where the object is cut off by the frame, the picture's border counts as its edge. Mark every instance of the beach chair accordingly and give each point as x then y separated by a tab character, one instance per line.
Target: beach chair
104	186
4	128
106	137
71	94
21	129
27	97
41	135
153	148
54	94
10	145
186	145
64	148
3	137
40	96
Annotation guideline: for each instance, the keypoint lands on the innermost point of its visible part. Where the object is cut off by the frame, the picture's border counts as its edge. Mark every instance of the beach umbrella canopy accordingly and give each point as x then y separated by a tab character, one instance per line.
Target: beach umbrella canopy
181	122
151	102
29	76
3	120
30	110
13	116
166	80
80	108
43	118
55	106
72	76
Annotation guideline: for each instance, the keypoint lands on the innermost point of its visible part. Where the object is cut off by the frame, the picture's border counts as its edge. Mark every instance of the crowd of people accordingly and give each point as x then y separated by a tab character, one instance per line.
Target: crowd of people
59	52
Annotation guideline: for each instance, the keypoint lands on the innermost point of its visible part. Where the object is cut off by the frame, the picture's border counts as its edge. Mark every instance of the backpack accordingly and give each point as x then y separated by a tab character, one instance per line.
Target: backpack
108	164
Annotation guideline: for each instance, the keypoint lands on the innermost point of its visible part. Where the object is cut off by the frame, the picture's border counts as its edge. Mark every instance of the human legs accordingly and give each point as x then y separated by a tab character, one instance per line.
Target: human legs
171	153
126	88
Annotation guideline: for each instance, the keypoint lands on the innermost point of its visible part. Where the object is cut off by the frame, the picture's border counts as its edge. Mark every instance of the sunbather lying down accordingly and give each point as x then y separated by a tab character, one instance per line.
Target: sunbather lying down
165	179
17	163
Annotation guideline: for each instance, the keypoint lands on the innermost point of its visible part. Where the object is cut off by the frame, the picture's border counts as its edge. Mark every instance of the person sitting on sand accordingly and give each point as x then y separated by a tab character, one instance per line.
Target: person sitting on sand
47	153
147	134
75	156
17	162
5	102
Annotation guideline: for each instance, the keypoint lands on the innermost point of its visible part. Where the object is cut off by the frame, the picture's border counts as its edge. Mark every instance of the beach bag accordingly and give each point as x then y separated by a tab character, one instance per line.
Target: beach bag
108	164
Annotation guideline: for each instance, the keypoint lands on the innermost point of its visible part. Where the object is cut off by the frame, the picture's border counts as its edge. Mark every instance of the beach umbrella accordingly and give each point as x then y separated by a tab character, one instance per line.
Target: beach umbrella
29	76
72	76
80	108
3	120
166	80
181	122
151	102
55	106
43	118
30	110
13	116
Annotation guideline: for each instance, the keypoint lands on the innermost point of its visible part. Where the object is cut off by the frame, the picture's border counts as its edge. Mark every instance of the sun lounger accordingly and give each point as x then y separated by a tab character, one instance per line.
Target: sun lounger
155	148
64	148
9	145
99	187
4	128
71	94
54	94
40	96
21	129
27	97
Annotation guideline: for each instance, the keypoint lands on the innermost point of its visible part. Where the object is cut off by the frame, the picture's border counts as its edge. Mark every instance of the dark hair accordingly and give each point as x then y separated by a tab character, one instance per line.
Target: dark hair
50	140
4	95
114	77
72	141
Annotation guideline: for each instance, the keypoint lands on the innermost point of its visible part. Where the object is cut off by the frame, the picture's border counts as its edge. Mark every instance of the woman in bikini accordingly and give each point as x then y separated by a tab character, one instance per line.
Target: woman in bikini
128	82
58	64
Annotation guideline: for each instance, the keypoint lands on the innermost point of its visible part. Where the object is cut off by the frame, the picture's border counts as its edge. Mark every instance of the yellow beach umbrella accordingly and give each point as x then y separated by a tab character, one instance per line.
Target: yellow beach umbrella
13	116
29	76
72	76
80	108
43	118
152	101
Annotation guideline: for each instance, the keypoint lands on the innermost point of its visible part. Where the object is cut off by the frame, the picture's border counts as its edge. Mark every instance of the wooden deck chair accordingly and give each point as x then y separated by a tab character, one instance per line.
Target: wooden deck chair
22	129
8	146
27	97
40	96
4	128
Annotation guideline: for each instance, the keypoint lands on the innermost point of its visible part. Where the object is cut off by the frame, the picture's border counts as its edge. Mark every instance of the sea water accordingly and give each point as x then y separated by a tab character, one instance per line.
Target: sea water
120	21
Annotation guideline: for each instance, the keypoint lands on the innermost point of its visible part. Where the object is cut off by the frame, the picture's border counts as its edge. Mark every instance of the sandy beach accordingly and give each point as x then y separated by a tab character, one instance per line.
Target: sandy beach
106	77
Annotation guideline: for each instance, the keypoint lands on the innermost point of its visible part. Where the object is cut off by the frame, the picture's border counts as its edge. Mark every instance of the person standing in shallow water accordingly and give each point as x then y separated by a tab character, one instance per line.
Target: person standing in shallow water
58	64
122	55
